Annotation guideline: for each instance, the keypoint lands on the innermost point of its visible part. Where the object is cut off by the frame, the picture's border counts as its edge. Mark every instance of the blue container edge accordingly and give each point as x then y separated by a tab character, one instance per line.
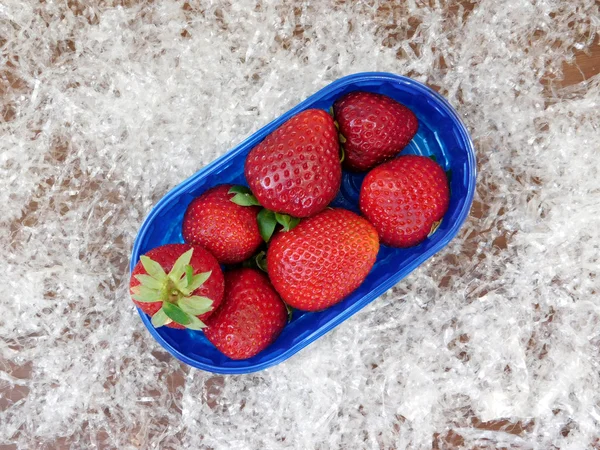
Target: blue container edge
373	294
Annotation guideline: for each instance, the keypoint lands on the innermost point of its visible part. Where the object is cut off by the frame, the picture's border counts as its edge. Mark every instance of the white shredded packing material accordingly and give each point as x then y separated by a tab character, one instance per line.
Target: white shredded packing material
107	106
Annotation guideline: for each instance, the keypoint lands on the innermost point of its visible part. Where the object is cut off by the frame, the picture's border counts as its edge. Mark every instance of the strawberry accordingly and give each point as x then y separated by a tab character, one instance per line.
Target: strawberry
178	285
404	198
250	318
373	128
228	230
323	259
296	170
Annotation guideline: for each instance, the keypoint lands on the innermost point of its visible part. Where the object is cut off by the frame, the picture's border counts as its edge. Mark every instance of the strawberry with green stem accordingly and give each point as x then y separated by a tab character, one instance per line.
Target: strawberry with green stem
227	229
178	285
323	259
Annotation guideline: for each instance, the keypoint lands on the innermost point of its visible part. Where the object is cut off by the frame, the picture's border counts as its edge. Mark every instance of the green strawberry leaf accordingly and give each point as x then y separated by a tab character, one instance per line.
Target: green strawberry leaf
342	138
286	221
145	294
175	313
239	190
433	157
179	267
342	154
160	318
261	261
290	312
153	268
266	223
197	281
449	175
189	274
196	305
331	111
254	262
283	220
149	282
245	200
195	323
294	221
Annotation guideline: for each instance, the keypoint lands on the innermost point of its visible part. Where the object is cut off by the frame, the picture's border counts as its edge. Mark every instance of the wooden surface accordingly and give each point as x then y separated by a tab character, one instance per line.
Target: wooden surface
585	65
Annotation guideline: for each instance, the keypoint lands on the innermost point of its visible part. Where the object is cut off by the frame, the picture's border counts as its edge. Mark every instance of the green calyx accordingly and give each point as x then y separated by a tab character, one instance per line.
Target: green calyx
174	290
261	261
243	196
434	227
341	138
257	262
267	220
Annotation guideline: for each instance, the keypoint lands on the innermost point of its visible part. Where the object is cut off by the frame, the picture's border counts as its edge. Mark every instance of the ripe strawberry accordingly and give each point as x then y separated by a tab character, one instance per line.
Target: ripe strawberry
296	170
323	259
250	318
403	198
229	231
374	128
178	285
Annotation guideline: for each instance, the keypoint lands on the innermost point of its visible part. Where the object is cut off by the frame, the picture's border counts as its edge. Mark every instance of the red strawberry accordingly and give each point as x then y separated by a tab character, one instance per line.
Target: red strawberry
178	285
323	259
403	198
229	231
296	170
250	318
374	128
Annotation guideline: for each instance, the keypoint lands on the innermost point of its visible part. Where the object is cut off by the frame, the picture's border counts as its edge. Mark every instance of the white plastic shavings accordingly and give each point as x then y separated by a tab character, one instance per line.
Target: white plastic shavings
107	105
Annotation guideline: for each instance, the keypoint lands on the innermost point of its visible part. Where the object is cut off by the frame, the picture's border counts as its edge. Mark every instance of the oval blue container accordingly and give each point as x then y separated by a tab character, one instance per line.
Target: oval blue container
441	133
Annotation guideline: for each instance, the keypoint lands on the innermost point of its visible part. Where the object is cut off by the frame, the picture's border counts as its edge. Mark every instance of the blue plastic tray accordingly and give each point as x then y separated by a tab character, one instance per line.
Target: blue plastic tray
441	133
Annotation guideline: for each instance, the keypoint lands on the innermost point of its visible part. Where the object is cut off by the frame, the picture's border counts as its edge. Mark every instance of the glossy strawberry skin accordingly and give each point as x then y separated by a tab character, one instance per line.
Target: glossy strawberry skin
403	198
227	230
296	170
250	318
323	259
376	128
202	261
